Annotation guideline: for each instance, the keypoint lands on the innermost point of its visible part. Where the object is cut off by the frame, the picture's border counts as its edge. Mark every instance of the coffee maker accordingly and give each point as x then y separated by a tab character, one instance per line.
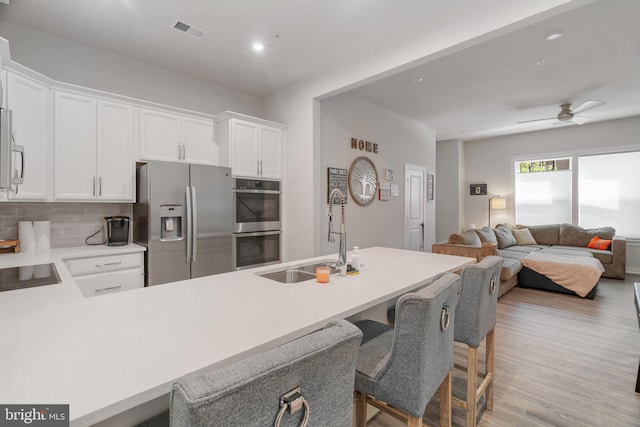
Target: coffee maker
117	230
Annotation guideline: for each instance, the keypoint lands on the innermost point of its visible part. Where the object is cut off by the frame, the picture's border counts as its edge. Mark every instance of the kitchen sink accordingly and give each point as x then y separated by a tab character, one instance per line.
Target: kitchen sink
299	273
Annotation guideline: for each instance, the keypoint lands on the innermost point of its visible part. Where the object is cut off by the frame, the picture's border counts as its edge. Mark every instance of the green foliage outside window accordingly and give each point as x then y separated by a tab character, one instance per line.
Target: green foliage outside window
538	166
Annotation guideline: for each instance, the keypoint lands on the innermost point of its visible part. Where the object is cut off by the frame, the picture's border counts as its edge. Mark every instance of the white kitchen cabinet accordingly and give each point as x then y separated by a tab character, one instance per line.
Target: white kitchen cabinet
174	137
101	275
251	147
30	103
93	149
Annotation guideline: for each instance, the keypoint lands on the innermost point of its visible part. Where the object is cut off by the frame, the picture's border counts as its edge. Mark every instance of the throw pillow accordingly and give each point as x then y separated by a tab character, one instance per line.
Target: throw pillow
523	236
598	243
505	237
486	235
467	238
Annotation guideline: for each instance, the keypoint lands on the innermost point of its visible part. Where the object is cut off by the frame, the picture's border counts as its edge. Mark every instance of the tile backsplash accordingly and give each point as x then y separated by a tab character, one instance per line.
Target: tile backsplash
71	223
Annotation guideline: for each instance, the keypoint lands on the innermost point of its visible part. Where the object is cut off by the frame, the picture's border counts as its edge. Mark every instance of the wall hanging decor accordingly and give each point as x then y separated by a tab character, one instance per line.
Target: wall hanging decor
430	185
337	178
478	189
363	181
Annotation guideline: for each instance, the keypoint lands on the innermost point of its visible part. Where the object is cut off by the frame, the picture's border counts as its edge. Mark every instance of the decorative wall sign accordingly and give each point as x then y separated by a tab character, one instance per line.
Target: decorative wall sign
337	178
478	189
362	145
430	185
363	181
384	193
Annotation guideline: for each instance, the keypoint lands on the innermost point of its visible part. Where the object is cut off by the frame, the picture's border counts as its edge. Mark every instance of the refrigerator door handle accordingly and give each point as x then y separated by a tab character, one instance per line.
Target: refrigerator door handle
189	224
194	225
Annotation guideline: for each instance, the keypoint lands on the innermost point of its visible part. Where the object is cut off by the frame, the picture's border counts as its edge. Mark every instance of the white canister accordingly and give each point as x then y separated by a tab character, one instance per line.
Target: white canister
26	236
42	231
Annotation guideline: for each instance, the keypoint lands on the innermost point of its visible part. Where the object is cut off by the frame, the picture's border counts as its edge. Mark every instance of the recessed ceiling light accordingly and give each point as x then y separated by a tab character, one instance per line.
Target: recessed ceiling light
416	80
541	61
554	35
258	47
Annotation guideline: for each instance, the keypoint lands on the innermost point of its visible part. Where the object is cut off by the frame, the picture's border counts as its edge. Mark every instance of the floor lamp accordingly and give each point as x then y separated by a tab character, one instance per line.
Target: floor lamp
496	202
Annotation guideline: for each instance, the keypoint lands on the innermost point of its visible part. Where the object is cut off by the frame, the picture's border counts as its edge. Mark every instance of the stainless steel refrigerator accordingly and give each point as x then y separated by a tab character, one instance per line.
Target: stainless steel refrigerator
183	215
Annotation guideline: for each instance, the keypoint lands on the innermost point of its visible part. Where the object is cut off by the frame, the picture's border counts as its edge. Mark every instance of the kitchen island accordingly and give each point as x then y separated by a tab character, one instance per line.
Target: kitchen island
113	358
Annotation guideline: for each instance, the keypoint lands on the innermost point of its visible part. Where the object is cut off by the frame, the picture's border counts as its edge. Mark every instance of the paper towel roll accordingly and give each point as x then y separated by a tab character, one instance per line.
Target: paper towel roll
42	270
42	231
26	236
26	272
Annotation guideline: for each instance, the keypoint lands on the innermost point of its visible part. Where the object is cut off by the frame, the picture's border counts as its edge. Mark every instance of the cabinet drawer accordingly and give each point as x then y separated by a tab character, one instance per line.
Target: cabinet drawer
107	283
103	263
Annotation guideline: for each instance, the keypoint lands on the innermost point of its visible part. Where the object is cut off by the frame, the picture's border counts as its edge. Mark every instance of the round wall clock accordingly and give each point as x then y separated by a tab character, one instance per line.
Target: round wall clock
363	181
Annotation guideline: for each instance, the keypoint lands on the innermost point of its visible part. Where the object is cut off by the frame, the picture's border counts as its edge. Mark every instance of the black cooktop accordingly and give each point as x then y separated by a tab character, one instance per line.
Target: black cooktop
28	276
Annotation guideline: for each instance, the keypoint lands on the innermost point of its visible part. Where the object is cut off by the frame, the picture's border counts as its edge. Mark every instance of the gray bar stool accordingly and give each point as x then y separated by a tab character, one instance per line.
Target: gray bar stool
308	381
399	369
475	321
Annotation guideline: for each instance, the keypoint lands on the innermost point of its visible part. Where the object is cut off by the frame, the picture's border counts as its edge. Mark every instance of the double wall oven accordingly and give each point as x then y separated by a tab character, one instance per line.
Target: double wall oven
257	223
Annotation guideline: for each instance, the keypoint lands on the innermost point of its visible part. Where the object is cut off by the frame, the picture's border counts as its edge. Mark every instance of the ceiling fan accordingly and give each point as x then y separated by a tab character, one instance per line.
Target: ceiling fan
567	115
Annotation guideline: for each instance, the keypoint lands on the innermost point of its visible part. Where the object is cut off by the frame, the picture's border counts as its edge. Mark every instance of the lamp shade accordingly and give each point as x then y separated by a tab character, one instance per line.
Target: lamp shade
498	203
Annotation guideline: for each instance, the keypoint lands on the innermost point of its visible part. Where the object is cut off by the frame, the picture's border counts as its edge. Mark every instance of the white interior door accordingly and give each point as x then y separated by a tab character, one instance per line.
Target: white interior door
414	206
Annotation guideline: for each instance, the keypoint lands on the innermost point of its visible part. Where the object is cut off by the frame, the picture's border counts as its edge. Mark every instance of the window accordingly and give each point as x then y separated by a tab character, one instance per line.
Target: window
590	190
608	192
543	191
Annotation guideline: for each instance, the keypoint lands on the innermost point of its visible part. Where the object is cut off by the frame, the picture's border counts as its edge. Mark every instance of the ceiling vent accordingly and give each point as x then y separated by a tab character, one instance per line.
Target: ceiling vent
185	28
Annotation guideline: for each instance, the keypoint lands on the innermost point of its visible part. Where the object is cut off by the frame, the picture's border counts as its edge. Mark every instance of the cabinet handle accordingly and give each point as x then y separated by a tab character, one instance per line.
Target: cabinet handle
94	185
184	152
179	151
258	167
100	186
108	264
110	288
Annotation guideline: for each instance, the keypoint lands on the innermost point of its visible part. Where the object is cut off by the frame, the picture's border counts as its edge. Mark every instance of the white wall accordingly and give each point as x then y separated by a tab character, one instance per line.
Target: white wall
400	140
297	104
450	179
490	161
78	64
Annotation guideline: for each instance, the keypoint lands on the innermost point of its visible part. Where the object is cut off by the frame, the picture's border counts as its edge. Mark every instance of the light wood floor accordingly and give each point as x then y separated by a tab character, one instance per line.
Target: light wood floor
560	361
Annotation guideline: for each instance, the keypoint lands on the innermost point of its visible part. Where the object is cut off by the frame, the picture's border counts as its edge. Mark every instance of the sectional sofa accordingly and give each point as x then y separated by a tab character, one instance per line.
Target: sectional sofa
513	243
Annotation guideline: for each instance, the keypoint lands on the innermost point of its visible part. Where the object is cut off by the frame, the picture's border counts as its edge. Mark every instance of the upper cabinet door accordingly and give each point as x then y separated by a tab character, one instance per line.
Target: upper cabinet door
74	152
270	152
31	105
197	140
115	153
245	151
159	135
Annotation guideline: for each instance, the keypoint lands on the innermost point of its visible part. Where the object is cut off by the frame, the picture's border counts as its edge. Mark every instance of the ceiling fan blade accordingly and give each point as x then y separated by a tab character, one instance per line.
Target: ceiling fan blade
537	120
587	105
580	120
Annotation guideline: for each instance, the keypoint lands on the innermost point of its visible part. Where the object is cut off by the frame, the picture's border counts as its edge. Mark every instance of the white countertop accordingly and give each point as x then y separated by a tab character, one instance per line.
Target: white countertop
108	354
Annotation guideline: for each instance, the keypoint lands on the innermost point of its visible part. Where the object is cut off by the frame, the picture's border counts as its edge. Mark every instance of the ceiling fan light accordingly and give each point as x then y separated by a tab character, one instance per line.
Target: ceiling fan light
554	35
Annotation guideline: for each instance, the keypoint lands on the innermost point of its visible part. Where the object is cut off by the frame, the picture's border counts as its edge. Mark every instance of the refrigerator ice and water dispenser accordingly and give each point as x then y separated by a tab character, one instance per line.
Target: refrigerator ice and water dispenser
170	222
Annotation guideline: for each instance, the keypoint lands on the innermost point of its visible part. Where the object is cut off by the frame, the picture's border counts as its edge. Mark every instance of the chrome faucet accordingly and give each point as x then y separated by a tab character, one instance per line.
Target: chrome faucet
342	257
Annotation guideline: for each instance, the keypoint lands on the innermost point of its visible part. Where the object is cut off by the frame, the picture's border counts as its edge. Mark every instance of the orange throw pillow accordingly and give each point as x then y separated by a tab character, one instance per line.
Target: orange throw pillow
598	243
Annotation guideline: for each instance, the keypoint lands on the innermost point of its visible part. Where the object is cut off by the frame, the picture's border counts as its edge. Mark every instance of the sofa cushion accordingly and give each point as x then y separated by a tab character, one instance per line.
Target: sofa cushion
567	250
508	253
486	235
572	235
605	257
523	236
527	248
504	236
545	234
467	238
510	267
